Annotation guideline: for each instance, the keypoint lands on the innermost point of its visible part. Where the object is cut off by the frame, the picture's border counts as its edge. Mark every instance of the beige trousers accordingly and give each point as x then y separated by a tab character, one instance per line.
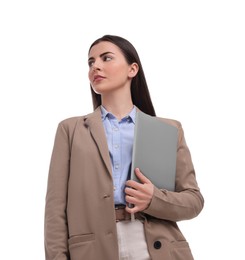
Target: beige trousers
131	240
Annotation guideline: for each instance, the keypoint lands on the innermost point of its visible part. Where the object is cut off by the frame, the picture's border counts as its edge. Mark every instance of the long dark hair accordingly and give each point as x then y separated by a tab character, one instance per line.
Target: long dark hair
139	89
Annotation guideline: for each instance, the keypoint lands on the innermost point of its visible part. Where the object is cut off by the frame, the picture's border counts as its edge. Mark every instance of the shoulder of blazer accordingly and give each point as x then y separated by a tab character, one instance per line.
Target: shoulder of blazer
70	124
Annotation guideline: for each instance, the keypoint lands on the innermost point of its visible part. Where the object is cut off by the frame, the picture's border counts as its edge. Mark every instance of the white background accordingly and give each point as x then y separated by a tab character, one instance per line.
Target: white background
193	56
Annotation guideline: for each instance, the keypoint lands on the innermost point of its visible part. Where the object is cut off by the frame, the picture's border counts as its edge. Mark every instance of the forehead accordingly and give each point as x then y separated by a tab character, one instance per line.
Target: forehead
104	47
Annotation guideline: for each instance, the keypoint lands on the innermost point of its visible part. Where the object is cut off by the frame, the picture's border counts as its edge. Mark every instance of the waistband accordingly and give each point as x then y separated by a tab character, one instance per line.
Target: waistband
121	214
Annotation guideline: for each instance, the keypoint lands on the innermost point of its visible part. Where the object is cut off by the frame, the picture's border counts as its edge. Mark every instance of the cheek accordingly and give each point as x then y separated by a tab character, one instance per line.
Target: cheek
90	76
119	72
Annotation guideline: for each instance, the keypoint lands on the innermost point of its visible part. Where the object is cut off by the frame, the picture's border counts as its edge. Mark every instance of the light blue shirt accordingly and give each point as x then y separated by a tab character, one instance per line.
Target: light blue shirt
120	136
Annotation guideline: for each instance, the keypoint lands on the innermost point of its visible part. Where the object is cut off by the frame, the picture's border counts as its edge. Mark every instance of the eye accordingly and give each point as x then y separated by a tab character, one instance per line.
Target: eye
107	58
90	63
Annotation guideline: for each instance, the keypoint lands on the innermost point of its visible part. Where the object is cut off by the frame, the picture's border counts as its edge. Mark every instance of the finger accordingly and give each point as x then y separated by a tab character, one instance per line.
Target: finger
134	196
141	176
130	191
131	200
133	210
134	185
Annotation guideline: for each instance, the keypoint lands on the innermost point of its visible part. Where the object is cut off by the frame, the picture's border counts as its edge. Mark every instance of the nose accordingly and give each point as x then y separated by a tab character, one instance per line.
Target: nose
95	66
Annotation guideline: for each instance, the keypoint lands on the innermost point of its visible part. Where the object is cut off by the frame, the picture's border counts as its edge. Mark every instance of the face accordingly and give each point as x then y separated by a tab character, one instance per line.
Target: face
108	68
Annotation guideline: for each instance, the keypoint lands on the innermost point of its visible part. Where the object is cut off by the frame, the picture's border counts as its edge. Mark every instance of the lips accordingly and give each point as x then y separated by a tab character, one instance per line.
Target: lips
98	78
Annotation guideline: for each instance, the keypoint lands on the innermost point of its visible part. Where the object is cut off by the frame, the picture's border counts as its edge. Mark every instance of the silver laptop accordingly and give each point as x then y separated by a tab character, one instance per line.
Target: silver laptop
155	151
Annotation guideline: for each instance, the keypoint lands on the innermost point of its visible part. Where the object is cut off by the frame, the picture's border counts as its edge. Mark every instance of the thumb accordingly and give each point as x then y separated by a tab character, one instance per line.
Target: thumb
141	176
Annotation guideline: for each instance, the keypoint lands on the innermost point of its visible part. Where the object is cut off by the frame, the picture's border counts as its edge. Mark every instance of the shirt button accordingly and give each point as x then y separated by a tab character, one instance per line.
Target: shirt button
116	146
116	166
115	129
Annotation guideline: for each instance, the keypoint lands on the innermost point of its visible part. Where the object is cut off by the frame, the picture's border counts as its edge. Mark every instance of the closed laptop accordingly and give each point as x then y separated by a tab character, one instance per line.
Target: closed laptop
155	151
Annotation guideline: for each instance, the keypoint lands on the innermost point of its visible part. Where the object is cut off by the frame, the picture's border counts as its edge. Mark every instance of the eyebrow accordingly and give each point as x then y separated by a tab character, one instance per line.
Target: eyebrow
101	55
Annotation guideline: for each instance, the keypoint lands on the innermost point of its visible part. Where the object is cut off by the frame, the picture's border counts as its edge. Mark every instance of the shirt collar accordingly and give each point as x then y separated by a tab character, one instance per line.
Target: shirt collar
105	113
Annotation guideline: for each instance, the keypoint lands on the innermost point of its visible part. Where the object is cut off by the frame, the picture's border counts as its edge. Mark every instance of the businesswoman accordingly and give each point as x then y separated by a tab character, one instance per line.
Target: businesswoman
87	214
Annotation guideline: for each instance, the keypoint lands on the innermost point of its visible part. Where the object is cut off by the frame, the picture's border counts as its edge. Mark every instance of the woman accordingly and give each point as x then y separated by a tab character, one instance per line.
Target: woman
87	213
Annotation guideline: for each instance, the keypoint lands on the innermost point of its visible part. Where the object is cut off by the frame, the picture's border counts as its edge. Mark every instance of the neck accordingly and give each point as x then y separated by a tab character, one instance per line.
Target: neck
117	104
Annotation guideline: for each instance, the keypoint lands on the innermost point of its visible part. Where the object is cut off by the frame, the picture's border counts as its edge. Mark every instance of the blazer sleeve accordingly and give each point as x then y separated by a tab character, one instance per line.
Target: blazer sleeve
55	226
186	201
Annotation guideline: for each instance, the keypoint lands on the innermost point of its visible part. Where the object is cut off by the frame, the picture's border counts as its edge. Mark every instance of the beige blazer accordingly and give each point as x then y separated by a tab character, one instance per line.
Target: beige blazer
79	213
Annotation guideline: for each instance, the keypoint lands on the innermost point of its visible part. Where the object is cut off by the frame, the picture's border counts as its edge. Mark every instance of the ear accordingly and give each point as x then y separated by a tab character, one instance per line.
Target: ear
133	70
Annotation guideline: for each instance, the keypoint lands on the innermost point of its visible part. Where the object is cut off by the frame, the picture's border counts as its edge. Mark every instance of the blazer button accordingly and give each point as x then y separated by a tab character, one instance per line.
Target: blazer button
157	244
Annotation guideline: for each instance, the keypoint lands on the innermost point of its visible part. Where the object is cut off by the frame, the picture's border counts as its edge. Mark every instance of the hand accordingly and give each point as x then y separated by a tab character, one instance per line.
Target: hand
139	194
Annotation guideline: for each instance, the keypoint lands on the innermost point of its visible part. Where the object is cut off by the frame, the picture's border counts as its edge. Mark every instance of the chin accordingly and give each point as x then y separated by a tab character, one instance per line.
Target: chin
101	90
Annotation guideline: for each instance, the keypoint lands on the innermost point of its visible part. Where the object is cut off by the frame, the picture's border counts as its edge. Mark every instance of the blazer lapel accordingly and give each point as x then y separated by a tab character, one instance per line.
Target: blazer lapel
94	123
